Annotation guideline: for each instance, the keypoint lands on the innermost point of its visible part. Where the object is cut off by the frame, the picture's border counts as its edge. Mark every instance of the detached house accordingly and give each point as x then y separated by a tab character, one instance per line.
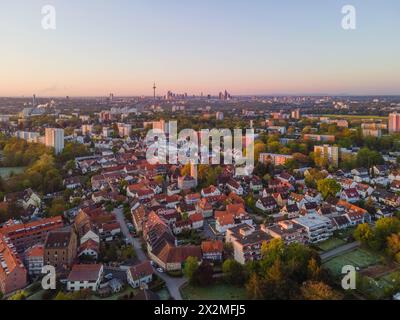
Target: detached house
224	221
140	274
85	276
205	208
72	183
197	221
267	204
235	187
212	250
356	215
292	211
350	195
361	175
256	184
187	182
211	191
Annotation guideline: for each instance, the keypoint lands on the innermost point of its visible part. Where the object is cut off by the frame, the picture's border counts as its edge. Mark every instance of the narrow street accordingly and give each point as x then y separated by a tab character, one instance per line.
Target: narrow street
173	284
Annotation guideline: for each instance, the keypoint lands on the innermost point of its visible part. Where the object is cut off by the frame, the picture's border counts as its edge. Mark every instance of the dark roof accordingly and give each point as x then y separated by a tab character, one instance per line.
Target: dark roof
58	239
141	270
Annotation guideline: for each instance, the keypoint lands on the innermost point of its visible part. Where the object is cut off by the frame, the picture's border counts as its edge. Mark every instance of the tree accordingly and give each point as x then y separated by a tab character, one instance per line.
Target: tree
393	244
259	147
384	228
328	187
363	233
368	158
271	251
314	270
58	206
254	287
233	272
203	276
127	253
276	283
312	290
191	266
19	295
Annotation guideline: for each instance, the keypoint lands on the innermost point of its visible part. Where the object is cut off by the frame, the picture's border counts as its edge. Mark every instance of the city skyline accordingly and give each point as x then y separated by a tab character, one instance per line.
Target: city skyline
266	48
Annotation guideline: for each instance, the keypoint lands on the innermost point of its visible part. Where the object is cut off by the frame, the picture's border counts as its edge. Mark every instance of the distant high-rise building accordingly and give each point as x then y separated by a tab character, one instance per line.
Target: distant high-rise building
87	129
331	154
124	130
219	116
394	122
28	136
54	138
296	114
34	103
372	129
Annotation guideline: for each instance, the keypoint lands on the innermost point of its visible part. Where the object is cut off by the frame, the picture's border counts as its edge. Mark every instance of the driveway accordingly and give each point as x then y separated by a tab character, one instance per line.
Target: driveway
173	284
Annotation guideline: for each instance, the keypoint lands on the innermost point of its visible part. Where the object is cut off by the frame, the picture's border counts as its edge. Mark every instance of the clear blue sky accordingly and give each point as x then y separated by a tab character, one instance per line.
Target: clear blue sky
247	47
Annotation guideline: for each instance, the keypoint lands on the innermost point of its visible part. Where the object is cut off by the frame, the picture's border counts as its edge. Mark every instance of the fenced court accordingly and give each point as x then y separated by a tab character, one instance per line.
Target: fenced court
360	258
331	244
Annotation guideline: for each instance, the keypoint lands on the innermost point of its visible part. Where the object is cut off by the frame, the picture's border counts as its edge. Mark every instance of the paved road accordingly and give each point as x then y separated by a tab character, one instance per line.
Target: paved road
173	284
338	251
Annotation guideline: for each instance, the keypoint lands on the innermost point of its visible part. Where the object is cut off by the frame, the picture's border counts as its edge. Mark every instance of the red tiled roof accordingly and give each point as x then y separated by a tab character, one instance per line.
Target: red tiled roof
85	272
212	246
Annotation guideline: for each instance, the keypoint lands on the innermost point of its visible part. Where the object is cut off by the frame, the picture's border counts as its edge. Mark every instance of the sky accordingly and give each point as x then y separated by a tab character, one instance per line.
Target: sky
244	46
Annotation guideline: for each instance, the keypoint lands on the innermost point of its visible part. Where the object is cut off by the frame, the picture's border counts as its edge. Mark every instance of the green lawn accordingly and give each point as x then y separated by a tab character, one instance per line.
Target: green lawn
360	258
6	172
345	234
381	288
331	244
164	294
216	292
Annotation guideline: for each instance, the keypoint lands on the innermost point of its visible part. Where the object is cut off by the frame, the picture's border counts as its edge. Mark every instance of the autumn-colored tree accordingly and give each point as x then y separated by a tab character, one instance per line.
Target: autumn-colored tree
313	270
328	187
364	233
393	244
254	287
312	290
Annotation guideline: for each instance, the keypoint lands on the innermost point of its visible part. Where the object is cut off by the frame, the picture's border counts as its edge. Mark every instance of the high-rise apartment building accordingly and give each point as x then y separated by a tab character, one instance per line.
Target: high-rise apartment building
394	122
54	138
331	153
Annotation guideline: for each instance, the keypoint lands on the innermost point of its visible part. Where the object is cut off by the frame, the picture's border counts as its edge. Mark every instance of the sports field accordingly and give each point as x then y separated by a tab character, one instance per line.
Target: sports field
331	244
359	258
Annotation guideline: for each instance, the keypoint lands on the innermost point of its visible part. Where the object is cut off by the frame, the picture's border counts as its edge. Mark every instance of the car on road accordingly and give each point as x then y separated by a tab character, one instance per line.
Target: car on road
160	270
